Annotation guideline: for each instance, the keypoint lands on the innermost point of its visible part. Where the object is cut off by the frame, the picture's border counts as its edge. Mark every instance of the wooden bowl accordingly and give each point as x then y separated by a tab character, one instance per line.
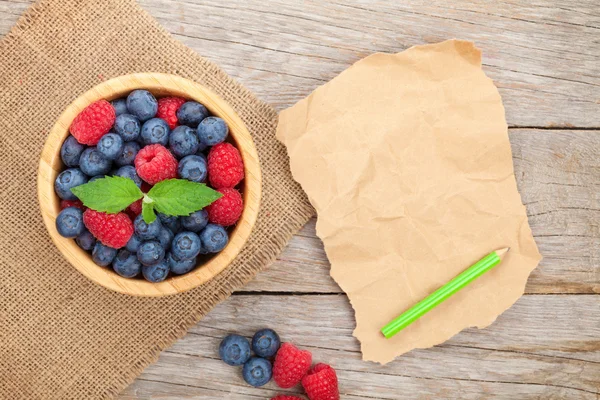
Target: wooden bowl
160	85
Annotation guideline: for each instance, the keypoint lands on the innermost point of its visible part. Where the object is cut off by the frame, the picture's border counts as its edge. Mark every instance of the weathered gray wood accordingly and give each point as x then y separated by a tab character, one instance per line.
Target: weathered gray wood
543	347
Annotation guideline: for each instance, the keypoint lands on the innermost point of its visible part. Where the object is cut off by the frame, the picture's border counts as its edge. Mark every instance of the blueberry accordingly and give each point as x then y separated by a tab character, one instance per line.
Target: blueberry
212	130
93	178
128	127
128	171
120	106
234	350
70	151
133	244
93	163
126	264
191	114
86	240
202	156
180	267
170	221
183	141
146	231
103	255
157	272
151	253
67	180
111	145
257	371
186	245
69	222
196	221
214	238
142	104
130	150
165	237
155	131
192	168
265	343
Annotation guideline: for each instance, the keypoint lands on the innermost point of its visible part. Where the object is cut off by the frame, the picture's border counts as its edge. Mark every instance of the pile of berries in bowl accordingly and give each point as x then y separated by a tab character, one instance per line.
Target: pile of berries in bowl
150	186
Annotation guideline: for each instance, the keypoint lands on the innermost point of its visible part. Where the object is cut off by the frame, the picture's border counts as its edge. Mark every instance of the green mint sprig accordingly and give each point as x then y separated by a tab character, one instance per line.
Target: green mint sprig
176	197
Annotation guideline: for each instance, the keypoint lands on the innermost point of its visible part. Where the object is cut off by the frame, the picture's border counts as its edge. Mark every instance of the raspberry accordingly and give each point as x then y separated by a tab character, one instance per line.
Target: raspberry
291	365
284	397
113	230
321	383
225	166
154	163
93	122
134	209
227	210
71	203
167	109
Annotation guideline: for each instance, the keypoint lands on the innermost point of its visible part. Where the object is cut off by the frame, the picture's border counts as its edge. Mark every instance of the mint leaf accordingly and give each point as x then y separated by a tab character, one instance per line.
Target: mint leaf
180	197
110	194
148	213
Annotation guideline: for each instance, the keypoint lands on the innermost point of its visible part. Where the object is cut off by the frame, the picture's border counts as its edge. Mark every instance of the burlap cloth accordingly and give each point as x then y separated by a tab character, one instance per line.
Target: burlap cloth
62	336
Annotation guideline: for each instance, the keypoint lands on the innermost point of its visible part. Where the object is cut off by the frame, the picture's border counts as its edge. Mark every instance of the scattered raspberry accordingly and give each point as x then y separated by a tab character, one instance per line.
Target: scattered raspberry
227	210
284	397
93	122
113	230
71	203
154	163
135	209
225	166
291	365
146	187
167	109
321	383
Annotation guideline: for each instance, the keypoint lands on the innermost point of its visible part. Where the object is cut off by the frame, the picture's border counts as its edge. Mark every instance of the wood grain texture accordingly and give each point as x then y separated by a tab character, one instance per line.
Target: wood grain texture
544	55
160	85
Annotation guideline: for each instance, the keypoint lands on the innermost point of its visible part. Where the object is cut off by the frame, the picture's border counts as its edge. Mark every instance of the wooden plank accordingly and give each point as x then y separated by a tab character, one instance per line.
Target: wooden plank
543	56
543	347
558	174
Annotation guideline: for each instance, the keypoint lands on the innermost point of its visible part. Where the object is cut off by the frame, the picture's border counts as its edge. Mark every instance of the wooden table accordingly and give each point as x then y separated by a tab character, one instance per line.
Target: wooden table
544	56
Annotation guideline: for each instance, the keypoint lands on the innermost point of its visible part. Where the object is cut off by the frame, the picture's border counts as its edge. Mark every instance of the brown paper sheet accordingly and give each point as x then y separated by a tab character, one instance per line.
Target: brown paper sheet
407	161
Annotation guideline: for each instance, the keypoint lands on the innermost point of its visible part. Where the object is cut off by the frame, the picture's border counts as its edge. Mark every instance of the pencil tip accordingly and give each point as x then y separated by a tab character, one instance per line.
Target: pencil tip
502	252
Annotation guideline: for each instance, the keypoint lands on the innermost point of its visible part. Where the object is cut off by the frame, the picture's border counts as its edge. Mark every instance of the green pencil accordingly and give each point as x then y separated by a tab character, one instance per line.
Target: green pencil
434	299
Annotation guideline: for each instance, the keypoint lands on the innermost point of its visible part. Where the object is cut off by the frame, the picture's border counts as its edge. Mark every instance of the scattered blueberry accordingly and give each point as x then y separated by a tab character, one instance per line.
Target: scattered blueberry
196	221
93	178
214	238
257	371
170	221
157	272
155	131
192	168
234	350
134	244
130	150
120	106
111	145
142	104
265	343
202	156
103	255
180	267
126	264
146	231
165	237
212	130
191	114
151	252
93	163
186	245
128	127
67	180
86	240
69	222
128	171
183	141
70	152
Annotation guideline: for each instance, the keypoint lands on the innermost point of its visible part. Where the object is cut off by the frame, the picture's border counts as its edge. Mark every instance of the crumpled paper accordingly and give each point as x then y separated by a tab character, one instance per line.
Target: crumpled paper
407	161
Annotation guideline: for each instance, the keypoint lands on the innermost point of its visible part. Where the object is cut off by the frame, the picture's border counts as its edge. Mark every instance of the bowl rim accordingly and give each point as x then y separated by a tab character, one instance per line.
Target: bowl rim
160	85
